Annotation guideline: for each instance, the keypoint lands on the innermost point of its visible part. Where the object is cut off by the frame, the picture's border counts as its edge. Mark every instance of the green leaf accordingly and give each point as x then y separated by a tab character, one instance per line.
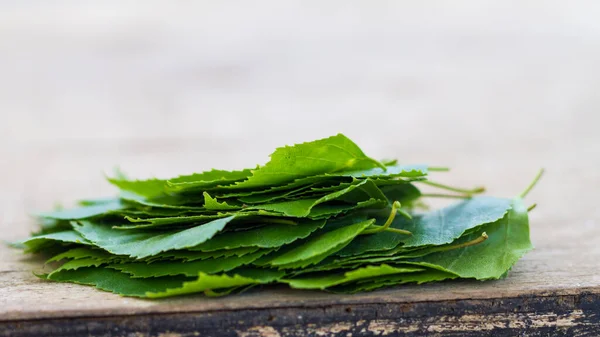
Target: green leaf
429	275
306	218
445	225
207	179
404	193
313	260
434	228
389	162
141	223
84	212
406	172
211	203
151	188
508	240
262	198
48	226
117	282
37	243
81	253
171	268
330	280
163	202
97	201
188	255
320	244
269	236
76	264
151	212
142	243
333	154
364	191
328	210
209	282
145	188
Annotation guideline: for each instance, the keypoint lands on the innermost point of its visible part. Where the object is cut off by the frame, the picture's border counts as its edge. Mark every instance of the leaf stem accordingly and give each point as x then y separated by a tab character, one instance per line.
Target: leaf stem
386	226
530	208
373	229
479	240
404	214
441	195
398	231
476	190
532	184
378	163
389	162
395	206
438	169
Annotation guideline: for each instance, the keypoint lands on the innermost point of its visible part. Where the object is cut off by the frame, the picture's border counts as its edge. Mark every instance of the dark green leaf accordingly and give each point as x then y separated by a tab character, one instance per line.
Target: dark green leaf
320	244
37	243
142	243
270	236
84	212
508	241
117	282
171	268
434	228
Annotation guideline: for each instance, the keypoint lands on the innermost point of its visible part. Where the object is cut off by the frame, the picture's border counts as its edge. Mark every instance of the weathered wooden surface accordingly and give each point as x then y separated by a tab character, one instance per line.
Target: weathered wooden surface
495	92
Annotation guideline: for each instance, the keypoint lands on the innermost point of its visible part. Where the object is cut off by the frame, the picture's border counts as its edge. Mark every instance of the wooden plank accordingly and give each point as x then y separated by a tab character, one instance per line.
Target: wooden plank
554	287
493	92
531	316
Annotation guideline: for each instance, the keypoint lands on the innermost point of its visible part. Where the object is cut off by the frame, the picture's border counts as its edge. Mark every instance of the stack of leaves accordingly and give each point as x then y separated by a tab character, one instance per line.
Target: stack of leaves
318	215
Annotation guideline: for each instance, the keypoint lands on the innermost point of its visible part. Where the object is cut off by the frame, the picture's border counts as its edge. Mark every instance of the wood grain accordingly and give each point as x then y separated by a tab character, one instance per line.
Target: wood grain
494	92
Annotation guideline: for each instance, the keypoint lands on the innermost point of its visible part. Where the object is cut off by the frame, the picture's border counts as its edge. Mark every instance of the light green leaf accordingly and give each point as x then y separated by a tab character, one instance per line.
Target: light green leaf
330	280
206	180
333	154
211	203
210	282
429	275
151	188
144	188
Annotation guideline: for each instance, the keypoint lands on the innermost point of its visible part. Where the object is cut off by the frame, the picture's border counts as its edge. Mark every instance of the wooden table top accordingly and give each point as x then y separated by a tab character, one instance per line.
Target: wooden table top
492	93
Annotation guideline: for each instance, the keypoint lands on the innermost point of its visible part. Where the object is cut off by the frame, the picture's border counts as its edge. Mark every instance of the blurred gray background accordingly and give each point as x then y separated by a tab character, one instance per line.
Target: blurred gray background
493	89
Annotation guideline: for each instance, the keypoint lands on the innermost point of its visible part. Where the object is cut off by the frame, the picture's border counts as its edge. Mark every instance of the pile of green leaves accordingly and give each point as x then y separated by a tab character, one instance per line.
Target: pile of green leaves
318	215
